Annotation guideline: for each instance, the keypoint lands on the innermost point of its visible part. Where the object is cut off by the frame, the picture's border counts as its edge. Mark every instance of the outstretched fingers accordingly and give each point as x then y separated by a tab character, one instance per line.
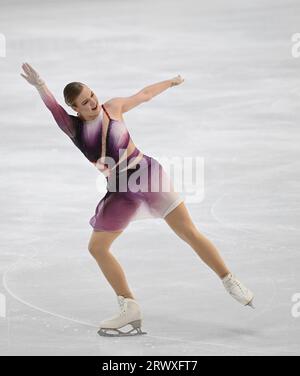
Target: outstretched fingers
32	70
29	67
26	69
31	75
23	75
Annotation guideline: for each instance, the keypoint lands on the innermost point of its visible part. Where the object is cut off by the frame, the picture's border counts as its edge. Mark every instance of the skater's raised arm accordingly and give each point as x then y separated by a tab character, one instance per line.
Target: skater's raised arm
62	118
124	104
155	89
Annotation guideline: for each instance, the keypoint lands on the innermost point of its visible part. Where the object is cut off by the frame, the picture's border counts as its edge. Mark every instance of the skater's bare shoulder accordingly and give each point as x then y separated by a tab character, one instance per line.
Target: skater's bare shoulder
125	104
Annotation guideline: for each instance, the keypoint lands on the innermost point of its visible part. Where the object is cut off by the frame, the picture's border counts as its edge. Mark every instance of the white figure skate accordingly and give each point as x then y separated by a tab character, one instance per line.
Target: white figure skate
238	291
130	315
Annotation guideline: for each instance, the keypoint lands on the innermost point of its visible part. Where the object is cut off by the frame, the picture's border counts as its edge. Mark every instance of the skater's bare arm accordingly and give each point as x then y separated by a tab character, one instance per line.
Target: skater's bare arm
62	118
124	104
157	88
119	105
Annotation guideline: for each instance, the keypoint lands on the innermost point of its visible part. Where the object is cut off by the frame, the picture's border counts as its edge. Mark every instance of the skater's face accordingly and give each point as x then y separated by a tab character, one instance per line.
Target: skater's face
87	104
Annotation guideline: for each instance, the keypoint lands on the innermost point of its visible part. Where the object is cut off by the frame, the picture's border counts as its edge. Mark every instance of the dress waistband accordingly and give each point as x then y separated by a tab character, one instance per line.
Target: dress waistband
128	163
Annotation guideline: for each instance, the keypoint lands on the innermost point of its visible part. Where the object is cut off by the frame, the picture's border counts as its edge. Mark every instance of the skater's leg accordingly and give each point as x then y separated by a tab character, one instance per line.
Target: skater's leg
181	223
99	247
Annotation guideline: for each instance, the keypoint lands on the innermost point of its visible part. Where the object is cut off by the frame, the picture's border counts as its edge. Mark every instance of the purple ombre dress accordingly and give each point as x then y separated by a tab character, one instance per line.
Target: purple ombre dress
134	191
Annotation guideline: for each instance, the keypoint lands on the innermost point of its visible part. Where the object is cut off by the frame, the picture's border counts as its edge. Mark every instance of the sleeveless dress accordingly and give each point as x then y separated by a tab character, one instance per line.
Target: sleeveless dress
135	190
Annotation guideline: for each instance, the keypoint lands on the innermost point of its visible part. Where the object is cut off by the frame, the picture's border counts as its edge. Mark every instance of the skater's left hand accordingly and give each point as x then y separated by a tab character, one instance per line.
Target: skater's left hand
177	80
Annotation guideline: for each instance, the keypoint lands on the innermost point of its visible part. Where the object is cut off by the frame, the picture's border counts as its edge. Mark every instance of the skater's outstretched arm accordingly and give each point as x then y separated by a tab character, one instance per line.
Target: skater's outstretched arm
124	104
159	87
62	118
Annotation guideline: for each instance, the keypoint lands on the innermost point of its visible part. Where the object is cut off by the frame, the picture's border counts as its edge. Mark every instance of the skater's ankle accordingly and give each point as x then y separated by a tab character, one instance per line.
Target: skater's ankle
127	296
223	276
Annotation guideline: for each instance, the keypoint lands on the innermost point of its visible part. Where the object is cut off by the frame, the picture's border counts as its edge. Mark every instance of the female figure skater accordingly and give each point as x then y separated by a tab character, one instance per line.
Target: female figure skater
99	131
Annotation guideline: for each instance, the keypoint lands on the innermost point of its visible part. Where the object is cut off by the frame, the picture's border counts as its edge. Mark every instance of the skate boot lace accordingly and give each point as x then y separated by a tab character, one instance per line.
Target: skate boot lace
123	305
238	284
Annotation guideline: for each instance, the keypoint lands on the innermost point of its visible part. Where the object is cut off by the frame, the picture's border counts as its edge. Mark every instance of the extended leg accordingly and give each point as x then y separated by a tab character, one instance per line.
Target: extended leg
181	223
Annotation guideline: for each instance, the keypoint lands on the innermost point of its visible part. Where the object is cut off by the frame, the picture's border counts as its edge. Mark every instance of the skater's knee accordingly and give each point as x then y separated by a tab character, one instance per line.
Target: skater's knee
189	234
97	249
100	242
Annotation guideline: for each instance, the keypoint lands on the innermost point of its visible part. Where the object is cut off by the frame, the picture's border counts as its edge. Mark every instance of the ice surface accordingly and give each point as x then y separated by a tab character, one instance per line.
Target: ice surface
238	109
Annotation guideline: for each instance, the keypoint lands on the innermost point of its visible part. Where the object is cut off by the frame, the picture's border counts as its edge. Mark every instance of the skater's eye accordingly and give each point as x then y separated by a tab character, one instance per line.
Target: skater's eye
86	101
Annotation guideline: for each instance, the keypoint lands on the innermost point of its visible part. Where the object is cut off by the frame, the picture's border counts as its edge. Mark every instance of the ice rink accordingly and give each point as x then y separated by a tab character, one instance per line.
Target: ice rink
238	109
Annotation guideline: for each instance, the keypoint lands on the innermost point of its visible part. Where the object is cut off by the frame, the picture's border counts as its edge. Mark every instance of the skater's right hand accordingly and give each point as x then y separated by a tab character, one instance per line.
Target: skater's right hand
32	76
